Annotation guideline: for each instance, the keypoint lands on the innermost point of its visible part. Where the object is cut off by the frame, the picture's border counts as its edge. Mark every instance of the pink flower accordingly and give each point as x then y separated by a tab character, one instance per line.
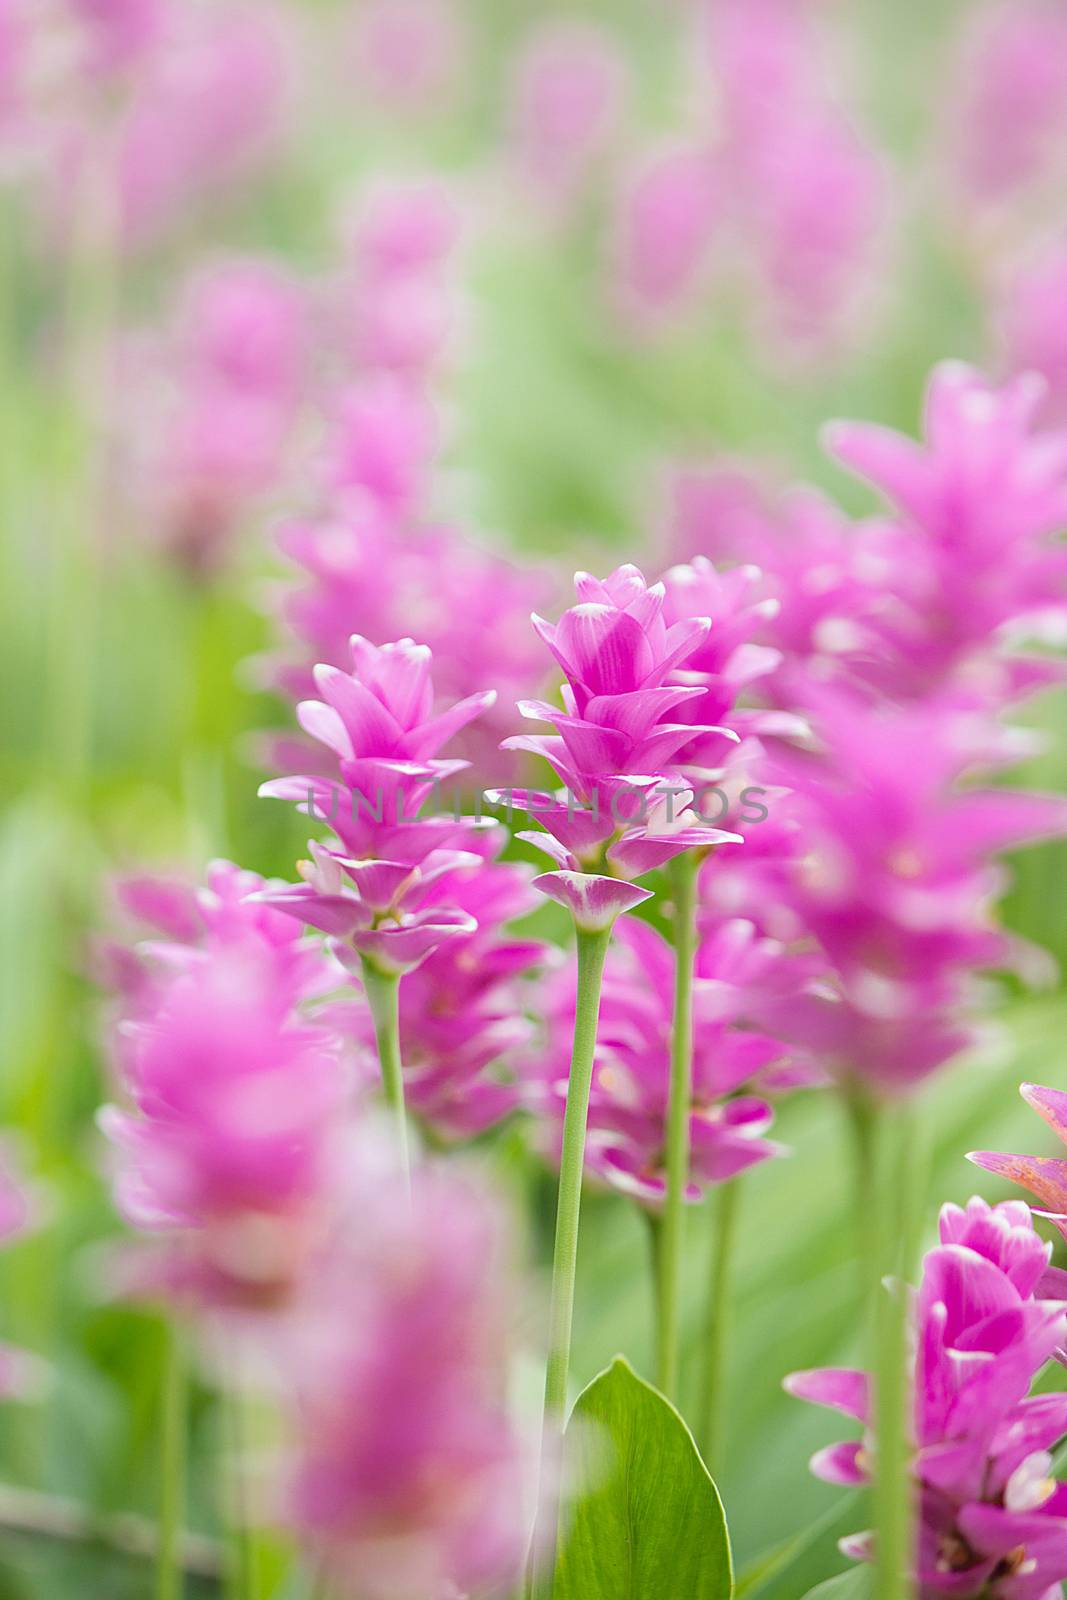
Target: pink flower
407	53
218	403
898	879
670	215
407	1475
1010	110
463	1010
992	1521
619	733
227	1143
1044	1176
1032	327
366	575
980	501
374	891
569	92
735	1062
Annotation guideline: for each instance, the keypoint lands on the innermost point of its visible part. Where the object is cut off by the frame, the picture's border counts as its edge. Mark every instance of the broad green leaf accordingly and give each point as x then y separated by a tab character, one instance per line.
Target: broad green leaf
856	1584
648	1523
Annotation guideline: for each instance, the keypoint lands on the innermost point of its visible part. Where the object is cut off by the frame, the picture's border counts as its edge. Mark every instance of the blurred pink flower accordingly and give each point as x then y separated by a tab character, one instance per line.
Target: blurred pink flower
735	1062
898	879
992	1519
568	97
1008	114
1032	325
669	217
218	398
226	1145
463	1012
406	1474
982	500
407	54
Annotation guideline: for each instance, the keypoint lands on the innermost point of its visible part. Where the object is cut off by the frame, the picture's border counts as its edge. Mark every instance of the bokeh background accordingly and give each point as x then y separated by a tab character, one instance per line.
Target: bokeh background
622	295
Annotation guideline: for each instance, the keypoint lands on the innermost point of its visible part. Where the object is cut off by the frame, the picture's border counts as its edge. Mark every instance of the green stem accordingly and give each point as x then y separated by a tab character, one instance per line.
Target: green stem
684	878
383	996
592	949
169	1576
887	1200
724	1209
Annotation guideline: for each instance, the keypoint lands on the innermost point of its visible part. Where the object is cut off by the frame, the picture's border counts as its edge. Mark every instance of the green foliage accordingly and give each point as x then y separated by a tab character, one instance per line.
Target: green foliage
648	1522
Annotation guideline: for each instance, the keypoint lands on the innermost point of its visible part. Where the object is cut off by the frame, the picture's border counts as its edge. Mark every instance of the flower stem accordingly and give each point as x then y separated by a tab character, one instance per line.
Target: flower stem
683	878
592	949
887	1200
724	1209
383	996
169	1576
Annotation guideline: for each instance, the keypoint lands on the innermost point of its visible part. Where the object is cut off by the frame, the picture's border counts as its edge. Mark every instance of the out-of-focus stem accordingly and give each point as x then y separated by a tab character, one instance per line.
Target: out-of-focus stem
383	997
683	879
724	1210
592	949
174	1394
887	1185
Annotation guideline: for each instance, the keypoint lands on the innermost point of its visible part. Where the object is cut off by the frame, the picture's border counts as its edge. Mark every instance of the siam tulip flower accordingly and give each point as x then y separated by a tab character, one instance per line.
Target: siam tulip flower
1031	327
226	1145
1044	1176
203	105
1009	115
375	890
670	214
365	574
394	300
898	878
406	1474
808	191
830	585
23	1207
383	445
221	397
992	1522
735	1063
619	733
462	1010
981	500
194	924
568	99
406	54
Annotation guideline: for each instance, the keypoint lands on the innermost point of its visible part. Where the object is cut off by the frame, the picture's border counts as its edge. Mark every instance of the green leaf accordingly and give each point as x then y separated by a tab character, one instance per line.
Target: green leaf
774	1562
648	1523
856	1584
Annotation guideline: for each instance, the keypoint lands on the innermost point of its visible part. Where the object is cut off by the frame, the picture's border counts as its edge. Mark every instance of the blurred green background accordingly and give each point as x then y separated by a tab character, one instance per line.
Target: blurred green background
126	717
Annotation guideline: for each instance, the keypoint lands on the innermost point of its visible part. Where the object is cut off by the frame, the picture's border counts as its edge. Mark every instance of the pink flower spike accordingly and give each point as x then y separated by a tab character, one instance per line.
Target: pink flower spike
593	901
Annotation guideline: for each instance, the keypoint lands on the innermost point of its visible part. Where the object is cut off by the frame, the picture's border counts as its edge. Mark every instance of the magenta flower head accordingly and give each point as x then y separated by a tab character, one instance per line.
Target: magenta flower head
1044	1176
671	214
568	97
1031	330
224	1147
982	501
736	1063
406	1475
899	876
992	1519
624	809
1009	114
373	891
463	1011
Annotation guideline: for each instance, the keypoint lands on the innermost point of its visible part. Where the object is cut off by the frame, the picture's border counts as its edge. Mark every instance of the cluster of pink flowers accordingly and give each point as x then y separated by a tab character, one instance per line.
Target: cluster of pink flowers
737	1065
175	103
406	1476
992	1520
219	399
